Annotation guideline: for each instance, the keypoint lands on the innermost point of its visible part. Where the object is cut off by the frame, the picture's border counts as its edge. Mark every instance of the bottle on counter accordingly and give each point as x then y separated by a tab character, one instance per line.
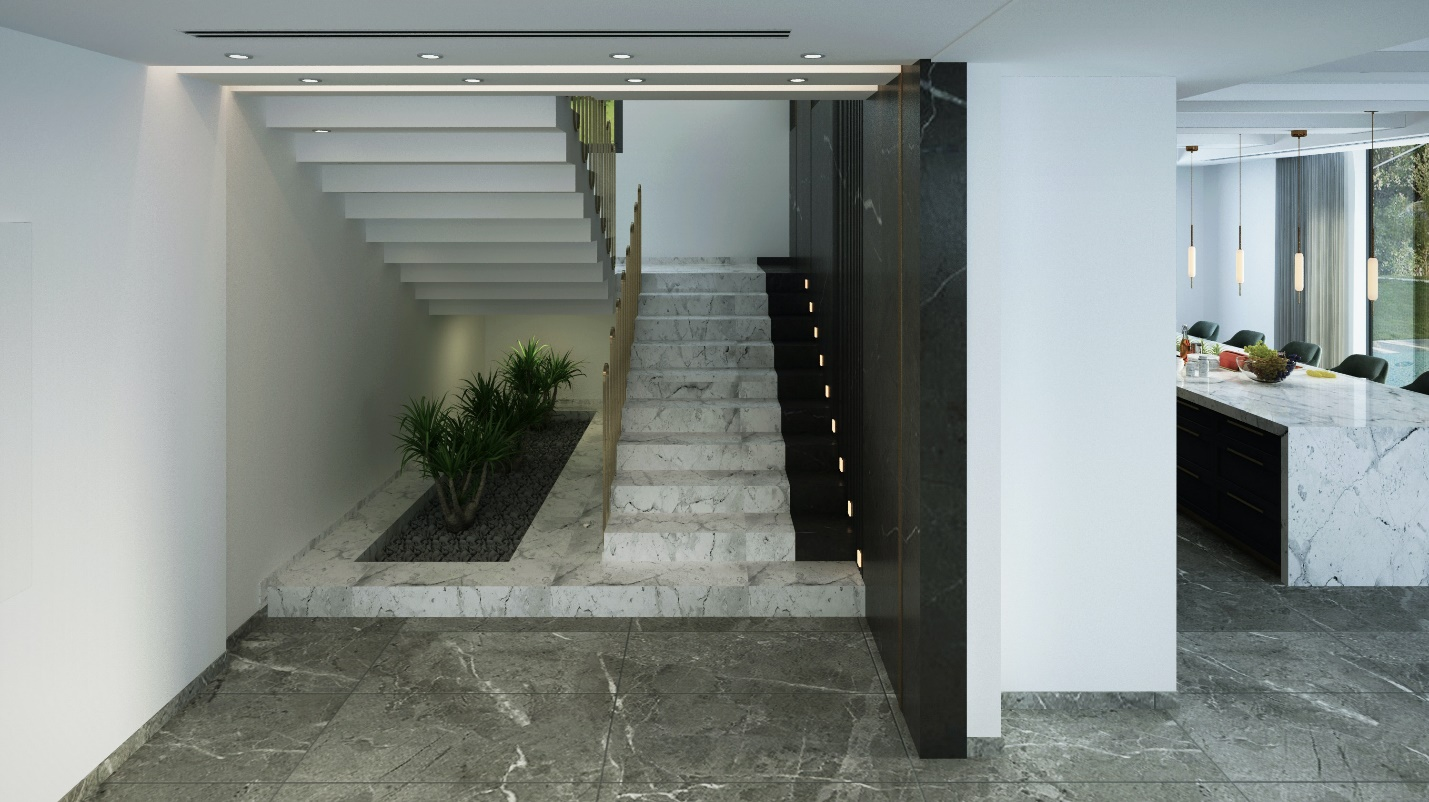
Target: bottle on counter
1185	343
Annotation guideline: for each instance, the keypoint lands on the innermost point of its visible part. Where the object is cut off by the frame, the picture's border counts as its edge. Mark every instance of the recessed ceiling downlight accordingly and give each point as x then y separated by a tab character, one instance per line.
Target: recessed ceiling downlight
797	80
621	56
471	80
635	80
321	131
429	56
813	55
239	56
310	80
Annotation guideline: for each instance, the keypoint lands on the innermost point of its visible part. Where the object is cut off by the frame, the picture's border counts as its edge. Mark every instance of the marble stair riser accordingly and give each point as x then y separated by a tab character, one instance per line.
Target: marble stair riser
676	329
688	355
698	547
704	303
763	456
651	283
699	499
760	416
649	386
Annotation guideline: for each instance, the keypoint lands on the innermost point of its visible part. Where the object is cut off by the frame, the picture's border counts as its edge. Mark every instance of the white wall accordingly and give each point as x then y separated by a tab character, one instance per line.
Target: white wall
715	173
1214	297
1087	506
325	344
118	167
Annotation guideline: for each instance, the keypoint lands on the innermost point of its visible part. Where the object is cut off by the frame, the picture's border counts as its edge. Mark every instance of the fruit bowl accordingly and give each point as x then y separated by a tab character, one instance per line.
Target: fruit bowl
1266	370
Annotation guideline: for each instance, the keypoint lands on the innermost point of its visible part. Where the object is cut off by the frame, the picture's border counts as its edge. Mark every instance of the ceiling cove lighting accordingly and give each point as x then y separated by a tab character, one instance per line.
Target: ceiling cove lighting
238	56
310	80
1299	134
1371	265
1191	251
429	56
813	55
621	56
1240	208
471	80
797	80
635	80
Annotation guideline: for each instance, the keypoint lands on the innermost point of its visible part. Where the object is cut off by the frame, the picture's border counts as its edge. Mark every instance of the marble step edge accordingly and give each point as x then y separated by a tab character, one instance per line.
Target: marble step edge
644	373
678	478
700	403
703	344
700	438
745	523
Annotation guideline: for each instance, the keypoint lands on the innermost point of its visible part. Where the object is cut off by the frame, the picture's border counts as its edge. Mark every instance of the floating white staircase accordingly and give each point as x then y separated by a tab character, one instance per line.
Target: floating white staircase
484	204
700	460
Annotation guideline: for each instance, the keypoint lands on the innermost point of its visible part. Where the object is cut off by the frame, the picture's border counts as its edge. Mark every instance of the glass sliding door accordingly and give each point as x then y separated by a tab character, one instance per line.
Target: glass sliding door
1399	320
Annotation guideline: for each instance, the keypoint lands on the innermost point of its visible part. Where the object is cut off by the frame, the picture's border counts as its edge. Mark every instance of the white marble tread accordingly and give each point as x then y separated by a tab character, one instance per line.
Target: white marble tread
701	383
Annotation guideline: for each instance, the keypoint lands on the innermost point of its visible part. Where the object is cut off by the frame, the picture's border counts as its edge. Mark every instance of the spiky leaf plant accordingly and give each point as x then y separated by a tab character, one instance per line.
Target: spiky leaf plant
455	450
532	370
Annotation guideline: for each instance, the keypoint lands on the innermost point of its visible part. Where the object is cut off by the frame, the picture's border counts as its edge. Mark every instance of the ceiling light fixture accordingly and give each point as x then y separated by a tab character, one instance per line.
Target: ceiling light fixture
429	56
239	56
1240	208
1371	265
813	55
635	80
621	56
310	80
1299	135
471	80
321	131
797	80
1191	251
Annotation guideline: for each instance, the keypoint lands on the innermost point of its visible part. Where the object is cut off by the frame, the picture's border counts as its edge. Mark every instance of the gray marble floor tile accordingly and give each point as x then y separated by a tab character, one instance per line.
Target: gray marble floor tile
774	624
1362	609
505	624
1312	737
234	738
1334	792
306	659
692	738
334	624
499	662
1401	657
187	792
1236	607
1081	792
492	737
1209	559
1274	662
438	792
749	662
1083	746
761	792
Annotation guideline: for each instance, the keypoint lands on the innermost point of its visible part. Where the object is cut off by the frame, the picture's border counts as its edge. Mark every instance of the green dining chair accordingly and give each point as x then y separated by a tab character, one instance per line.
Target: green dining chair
1304	353
1205	330
1365	367
1419	385
1245	337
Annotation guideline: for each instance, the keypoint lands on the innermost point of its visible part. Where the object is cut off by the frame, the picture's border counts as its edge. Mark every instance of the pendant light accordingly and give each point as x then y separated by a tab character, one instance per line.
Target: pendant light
1371	265
1191	251
1299	135
1239	214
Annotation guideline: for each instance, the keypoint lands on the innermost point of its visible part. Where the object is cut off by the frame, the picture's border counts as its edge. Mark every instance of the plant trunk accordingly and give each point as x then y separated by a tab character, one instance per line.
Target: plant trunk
468	512
450	502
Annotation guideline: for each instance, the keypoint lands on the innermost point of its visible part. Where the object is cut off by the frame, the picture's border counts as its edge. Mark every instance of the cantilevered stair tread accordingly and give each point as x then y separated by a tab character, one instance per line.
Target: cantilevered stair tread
678	523
699	478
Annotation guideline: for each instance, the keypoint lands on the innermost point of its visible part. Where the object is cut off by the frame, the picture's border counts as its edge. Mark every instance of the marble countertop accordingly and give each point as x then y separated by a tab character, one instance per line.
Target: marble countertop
1301	401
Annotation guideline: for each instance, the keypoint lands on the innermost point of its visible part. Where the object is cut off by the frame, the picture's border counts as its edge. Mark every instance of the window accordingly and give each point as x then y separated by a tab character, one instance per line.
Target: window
1399	320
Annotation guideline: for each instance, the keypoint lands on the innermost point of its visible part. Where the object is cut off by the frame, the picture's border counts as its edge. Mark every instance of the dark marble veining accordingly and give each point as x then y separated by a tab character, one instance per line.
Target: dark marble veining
311	657
438	792
777	624
1275	662
742	662
1081	792
761	792
499	662
513	624
1334	792
189	792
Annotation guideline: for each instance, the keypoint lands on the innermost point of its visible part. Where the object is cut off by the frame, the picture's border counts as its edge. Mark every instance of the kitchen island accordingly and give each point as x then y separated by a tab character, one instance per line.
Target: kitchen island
1326	478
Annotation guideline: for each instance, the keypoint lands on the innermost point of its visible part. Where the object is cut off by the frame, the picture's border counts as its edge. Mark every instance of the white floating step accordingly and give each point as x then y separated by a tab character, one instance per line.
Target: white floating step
490	252
454	147
699	451
708	383
554	177
763	537
710	354
650	328
414	111
689	281
522	307
571	230
465	205
699	492
497	272
703	415
704	303
514	290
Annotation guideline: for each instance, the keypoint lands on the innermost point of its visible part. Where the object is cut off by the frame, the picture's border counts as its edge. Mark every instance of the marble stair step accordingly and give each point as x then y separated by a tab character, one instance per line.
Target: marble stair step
704	303
668	328
702	383
699	451
703	354
737	537
713	281
702	415
699	491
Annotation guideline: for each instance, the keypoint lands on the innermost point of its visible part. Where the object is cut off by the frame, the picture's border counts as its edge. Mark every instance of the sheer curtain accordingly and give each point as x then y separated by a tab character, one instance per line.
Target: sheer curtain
1325	201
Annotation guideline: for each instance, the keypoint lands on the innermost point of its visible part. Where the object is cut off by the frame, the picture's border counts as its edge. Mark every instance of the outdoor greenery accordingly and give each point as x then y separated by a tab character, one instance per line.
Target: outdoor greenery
1401	223
457	444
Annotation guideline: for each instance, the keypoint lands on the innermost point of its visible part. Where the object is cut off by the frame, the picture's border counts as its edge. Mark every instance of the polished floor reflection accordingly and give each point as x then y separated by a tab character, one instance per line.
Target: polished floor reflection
1285	694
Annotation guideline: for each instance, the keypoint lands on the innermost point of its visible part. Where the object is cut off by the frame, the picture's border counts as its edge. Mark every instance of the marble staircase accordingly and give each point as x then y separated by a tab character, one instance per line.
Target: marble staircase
700	463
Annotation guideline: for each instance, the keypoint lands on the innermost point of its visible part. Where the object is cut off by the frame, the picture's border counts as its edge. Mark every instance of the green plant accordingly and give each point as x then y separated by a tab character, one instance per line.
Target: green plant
1260	351
1213	348
531	370
1266	363
455	450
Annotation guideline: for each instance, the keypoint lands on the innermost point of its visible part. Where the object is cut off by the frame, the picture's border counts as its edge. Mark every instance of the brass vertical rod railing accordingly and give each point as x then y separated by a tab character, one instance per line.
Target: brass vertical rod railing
617	370
596	131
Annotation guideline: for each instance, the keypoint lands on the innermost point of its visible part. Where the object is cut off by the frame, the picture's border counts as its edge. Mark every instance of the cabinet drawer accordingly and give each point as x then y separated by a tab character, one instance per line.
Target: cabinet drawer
1194	415
1194	447
1249	470
1251	437
1254	521
1195	491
